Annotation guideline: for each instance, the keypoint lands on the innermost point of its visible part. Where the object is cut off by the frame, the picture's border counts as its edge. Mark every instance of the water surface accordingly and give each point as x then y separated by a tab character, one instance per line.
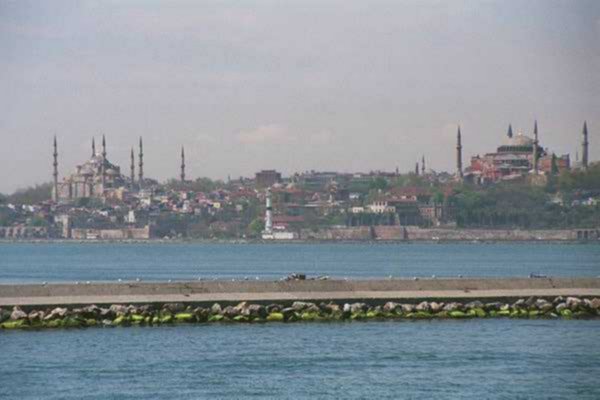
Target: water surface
52	262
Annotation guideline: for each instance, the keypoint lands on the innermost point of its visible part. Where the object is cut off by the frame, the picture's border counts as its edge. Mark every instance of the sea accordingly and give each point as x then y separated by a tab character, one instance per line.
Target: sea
472	359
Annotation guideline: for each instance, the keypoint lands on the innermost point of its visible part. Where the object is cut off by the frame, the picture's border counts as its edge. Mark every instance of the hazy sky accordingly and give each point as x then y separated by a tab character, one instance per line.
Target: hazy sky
292	85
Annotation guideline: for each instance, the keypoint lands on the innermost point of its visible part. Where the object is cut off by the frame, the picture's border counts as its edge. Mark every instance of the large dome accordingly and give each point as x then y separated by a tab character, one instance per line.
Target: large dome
519	140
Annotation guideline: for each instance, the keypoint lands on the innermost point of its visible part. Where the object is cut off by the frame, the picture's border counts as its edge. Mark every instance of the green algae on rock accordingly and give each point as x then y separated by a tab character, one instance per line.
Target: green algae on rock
118	315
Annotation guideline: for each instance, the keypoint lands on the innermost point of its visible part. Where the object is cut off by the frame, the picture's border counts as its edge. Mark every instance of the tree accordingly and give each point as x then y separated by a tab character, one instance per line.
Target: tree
256	227
32	195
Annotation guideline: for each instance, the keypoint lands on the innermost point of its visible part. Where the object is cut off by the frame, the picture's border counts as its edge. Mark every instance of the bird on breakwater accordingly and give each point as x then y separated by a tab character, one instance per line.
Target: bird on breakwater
120	280
87	282
432	276
460	276
77	282
44	283
138	280
257	278
169	281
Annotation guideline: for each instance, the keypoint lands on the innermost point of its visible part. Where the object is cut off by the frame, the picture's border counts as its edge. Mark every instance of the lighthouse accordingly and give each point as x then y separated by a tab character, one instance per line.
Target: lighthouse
269	215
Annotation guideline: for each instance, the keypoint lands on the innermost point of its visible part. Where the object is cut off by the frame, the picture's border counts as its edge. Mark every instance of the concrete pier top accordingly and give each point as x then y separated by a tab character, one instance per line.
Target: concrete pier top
208	292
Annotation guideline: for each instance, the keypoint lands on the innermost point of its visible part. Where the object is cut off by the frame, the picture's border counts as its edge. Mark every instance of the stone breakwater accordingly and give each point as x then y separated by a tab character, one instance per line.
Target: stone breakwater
179	313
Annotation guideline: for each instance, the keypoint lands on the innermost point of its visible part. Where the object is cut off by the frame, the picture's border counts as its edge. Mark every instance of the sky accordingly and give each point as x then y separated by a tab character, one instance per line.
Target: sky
303	85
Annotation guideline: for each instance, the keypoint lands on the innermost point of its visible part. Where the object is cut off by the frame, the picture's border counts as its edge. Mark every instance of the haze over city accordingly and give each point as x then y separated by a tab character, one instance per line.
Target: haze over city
345	86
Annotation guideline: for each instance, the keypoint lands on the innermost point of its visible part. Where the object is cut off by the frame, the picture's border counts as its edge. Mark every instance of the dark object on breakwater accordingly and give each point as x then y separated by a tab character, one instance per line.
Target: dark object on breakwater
244	312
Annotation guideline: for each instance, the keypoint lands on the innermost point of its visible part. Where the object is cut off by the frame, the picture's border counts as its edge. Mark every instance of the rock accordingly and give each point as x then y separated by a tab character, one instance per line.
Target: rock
215	318
390	307
174	307
288	311
255	311
4	315
495	306
474	304
423	306
453	307
201	314
118	309
519	304
346	308
215	309
275	317
107	313
230	312
558	300
436	307
407	308
301	305
241	308
14	324
530	302
184	317
273	308
457	314
358	307
561	307
573	303
36	316
330	308
544	306
58	312
90	312
17	314
595	303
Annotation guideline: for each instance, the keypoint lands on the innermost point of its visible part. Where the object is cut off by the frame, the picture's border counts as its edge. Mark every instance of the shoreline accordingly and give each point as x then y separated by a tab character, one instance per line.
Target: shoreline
298	241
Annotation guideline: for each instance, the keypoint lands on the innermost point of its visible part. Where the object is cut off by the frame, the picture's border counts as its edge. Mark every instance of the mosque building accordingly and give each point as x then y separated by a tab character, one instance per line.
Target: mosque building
518	157
96	178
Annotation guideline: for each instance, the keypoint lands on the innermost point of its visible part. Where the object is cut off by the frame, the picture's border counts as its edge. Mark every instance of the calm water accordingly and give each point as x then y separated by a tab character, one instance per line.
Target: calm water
478	359
77	262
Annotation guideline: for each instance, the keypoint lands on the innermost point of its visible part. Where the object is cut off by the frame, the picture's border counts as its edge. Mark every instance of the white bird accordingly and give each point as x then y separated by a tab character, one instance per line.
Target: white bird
120	280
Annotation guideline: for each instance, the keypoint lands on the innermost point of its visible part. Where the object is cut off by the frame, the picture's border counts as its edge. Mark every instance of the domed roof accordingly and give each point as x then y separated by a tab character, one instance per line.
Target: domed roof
519	140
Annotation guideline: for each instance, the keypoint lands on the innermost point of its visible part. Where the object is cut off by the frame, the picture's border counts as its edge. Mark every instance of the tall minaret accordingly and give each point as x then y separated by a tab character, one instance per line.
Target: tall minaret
459	171
141	165
103	168
510	132
269	213
535	147
93	147
584	147
417	168
132	167
55	172
182	165
423	165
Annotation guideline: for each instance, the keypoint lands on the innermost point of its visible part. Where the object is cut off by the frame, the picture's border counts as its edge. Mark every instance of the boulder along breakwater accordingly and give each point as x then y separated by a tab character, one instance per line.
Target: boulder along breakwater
153	304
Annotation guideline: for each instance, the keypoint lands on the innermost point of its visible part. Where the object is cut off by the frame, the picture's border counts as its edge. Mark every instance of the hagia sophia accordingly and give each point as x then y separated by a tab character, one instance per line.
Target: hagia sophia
520	156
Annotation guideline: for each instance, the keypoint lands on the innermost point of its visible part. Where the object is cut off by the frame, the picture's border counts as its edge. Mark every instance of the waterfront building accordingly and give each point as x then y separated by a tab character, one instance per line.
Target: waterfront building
267	178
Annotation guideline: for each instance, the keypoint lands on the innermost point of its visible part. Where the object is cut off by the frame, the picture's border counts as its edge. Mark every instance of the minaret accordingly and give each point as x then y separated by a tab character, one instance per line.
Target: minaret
417	168
132	166
141	164
584	147
535	147
423	165
269	214
55	172
510	132
103	168
459	171
93	147
182	165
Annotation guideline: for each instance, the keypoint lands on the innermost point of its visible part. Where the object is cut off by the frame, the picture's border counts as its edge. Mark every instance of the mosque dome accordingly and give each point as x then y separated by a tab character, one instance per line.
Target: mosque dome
519	140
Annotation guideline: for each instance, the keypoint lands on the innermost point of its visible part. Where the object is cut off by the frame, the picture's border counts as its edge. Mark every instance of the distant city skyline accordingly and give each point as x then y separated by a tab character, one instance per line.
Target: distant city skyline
343	86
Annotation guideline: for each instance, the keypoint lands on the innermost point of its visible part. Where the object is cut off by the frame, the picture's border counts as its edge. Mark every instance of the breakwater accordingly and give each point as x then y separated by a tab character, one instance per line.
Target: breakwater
139	303
244	312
